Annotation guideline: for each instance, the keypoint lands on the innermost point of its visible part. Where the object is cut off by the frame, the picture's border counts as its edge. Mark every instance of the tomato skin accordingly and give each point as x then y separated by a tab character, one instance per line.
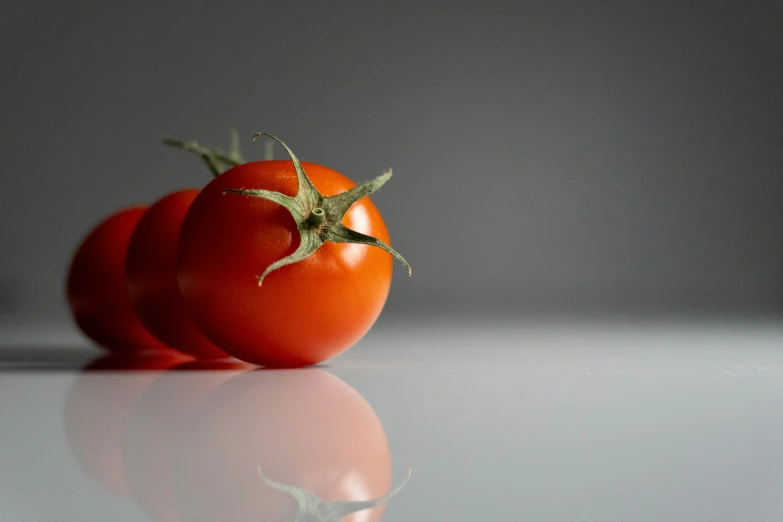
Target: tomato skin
304	313
96	289
303	427
97	408
152	280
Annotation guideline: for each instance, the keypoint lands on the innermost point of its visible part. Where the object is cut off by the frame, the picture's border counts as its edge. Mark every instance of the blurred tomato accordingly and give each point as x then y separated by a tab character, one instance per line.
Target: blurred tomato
98	405
96	289
152	278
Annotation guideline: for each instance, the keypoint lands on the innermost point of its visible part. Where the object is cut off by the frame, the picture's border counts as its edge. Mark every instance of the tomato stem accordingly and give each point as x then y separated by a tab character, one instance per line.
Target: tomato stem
235	151
319	218
269	150
316	217
213	157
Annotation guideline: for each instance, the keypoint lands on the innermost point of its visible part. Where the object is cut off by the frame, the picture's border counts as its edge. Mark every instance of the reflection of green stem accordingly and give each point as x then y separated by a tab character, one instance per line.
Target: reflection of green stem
311	506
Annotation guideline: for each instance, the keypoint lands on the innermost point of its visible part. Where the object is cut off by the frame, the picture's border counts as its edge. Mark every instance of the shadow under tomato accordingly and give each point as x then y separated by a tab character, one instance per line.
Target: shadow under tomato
214	365
36	359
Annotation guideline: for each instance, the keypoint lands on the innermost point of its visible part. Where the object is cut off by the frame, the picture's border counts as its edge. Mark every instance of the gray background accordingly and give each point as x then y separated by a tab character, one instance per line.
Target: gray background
548	156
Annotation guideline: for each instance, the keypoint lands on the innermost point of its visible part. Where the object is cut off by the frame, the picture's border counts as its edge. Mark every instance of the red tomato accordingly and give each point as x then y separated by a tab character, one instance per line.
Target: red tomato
305	312
162	418
152	279
96	289
303	428
98	406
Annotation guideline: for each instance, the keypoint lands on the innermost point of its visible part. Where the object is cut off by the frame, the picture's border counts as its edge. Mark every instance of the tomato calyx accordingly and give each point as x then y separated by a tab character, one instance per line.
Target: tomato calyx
310	507
217	160
319	218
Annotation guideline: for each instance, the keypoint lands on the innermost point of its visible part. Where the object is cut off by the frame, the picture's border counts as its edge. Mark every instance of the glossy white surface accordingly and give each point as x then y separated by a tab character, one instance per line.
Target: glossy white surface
541	422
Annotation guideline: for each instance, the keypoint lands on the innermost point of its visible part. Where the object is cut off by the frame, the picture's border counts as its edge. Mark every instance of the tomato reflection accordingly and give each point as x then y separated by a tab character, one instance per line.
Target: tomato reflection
97	408
222	440
267	439
161	420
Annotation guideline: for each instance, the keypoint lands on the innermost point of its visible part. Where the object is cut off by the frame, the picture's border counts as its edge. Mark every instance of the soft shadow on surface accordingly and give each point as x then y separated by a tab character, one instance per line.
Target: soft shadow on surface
320	366
214	365
34	359
21	359
79	359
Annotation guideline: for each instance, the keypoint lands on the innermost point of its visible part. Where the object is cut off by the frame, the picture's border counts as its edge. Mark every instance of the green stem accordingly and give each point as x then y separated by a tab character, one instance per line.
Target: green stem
212	156
269	150
316	218
235	152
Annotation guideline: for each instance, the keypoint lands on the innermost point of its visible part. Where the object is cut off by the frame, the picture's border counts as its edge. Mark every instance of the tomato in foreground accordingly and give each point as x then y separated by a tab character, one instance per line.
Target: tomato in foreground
152	279
290	281
96	289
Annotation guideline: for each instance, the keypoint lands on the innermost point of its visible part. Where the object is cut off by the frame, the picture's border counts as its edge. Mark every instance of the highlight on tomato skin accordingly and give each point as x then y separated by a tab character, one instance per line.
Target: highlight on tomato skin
96	291
152	280
265	436
161	419
98	406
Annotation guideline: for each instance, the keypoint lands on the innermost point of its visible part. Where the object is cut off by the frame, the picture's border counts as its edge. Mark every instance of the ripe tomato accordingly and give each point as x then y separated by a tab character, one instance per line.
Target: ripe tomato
152	279
305	312
302	428
97	408
96	289
162	418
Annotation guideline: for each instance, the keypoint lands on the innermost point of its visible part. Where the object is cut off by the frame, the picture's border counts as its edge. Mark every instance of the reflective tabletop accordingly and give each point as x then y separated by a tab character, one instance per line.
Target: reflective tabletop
445	420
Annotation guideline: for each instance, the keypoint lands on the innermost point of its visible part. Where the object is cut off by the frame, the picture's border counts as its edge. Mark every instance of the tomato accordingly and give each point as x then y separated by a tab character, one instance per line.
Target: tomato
152	279
303	428
97	408
162	418
96	289
305	312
